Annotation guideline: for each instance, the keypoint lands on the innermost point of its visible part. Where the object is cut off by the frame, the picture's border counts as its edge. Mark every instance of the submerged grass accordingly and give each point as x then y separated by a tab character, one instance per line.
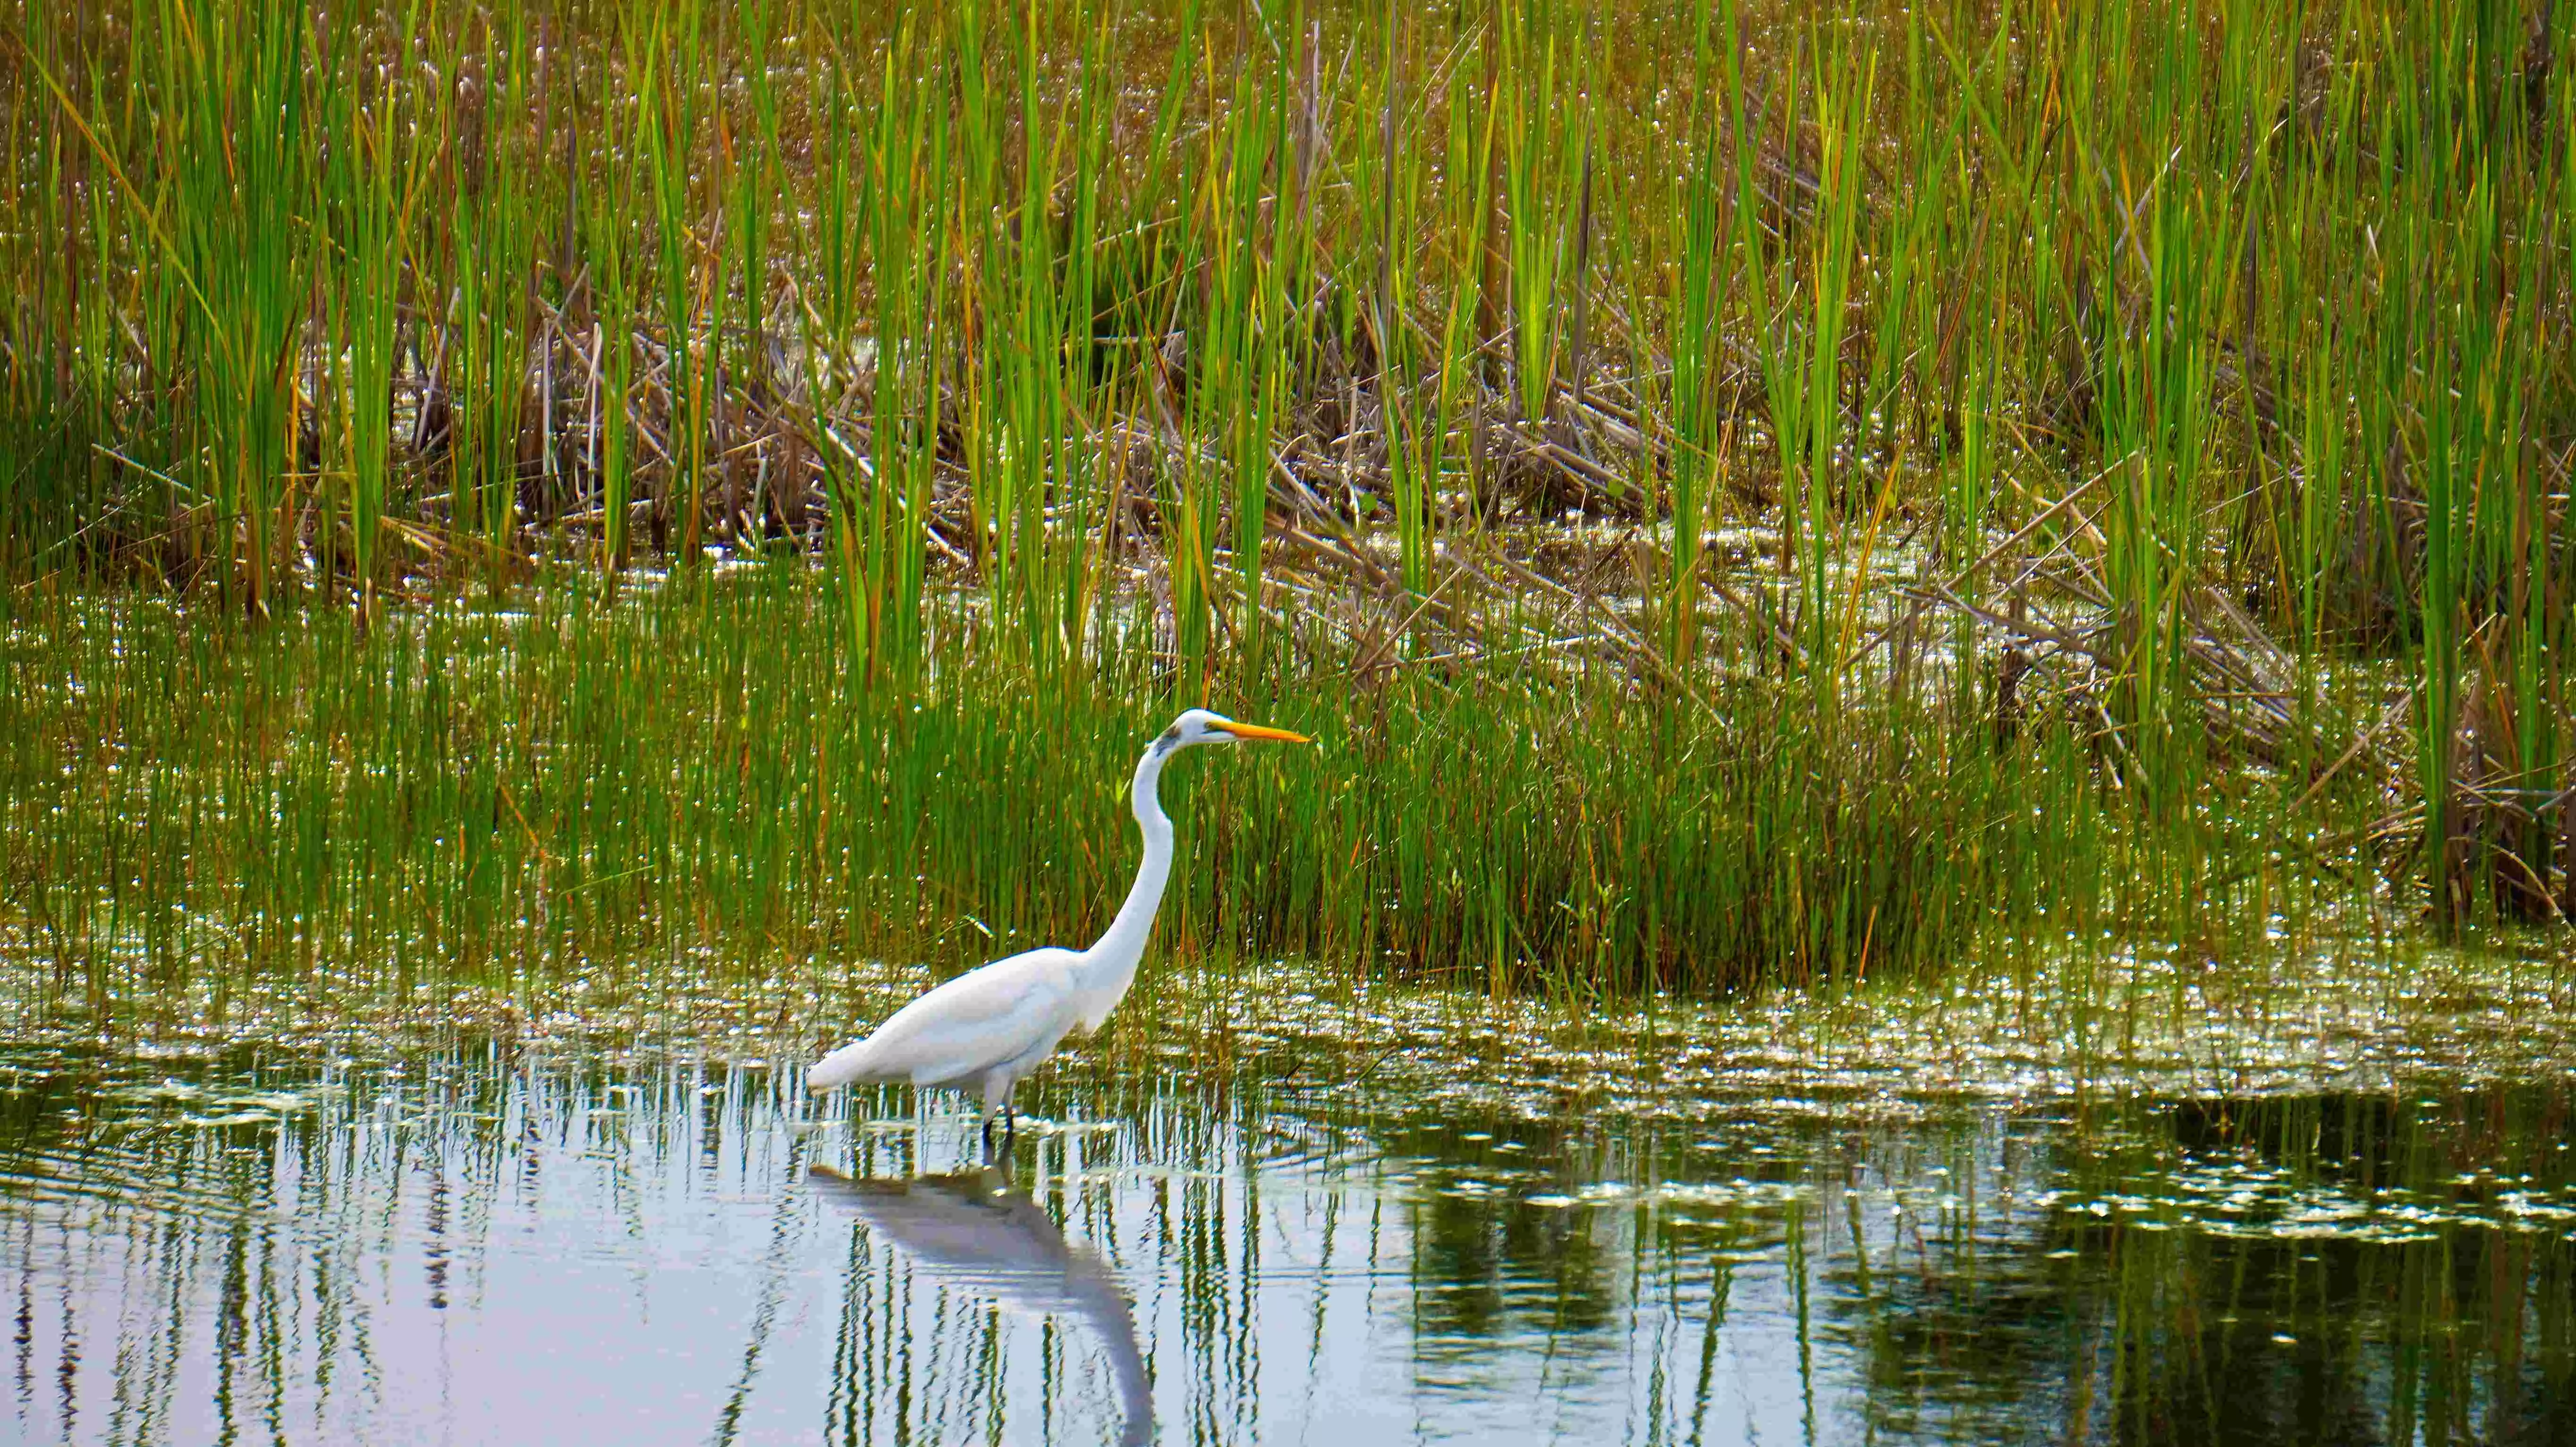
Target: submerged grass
1752	492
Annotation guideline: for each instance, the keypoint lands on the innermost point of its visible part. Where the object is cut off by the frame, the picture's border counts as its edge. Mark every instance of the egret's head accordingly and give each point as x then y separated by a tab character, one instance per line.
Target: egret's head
1199	726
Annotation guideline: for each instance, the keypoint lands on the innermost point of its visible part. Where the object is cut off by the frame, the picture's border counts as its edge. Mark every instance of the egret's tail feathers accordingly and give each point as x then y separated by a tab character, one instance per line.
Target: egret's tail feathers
842	1066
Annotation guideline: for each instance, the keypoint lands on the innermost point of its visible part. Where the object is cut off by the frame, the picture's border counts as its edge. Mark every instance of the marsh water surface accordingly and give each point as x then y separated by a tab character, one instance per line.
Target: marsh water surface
511	1237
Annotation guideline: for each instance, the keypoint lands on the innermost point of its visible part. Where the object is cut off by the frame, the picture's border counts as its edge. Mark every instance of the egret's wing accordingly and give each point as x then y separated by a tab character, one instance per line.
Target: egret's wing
978	1020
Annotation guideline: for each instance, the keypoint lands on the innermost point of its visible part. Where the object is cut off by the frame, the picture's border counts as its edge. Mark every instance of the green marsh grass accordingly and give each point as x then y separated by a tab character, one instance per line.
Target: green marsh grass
513	798
1766	493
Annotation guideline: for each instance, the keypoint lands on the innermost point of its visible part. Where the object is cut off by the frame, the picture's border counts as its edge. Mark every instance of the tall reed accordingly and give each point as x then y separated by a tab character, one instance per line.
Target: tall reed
2173	385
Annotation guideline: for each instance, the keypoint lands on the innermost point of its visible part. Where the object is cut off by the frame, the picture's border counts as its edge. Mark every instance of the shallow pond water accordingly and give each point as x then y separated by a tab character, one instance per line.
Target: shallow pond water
507	1238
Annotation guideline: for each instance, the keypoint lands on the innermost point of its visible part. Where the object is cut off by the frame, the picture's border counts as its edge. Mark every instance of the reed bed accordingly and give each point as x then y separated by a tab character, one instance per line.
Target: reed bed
522	799
1769	492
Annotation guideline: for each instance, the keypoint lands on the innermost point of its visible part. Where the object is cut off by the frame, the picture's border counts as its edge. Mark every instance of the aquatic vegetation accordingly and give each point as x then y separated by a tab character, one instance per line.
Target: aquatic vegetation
523	799
2172	388
1910	611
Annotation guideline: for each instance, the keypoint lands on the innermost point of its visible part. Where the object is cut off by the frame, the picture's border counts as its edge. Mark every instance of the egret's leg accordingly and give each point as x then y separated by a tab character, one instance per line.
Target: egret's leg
997	1104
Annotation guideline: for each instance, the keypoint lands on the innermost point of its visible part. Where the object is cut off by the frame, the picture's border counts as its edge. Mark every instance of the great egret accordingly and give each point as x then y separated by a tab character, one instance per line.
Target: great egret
994	1024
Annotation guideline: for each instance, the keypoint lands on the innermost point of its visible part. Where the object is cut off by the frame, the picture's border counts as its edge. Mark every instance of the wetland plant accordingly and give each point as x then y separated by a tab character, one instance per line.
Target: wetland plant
1880	482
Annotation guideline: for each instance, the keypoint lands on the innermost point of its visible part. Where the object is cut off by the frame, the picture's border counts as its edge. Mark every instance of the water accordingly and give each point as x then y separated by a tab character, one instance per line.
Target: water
505	1238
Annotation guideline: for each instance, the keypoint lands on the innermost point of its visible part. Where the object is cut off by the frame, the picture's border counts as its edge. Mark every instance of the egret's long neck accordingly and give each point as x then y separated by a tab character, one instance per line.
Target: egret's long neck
1114	957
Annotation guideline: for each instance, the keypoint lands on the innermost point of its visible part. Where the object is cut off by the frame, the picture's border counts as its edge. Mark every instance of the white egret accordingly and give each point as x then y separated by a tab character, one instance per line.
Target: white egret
994	1024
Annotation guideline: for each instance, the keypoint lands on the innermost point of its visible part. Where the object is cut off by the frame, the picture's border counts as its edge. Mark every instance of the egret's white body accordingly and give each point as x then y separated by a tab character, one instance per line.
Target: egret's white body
991	1026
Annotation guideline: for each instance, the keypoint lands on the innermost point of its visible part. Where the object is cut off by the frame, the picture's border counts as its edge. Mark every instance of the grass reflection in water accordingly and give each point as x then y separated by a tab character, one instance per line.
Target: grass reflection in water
527	1241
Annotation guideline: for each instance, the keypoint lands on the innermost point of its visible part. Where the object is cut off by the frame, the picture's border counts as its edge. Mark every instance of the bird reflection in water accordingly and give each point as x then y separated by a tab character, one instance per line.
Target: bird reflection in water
974	1232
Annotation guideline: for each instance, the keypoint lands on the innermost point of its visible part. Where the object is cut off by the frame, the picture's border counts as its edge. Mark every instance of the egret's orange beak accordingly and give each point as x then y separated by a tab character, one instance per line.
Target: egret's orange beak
1256	731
